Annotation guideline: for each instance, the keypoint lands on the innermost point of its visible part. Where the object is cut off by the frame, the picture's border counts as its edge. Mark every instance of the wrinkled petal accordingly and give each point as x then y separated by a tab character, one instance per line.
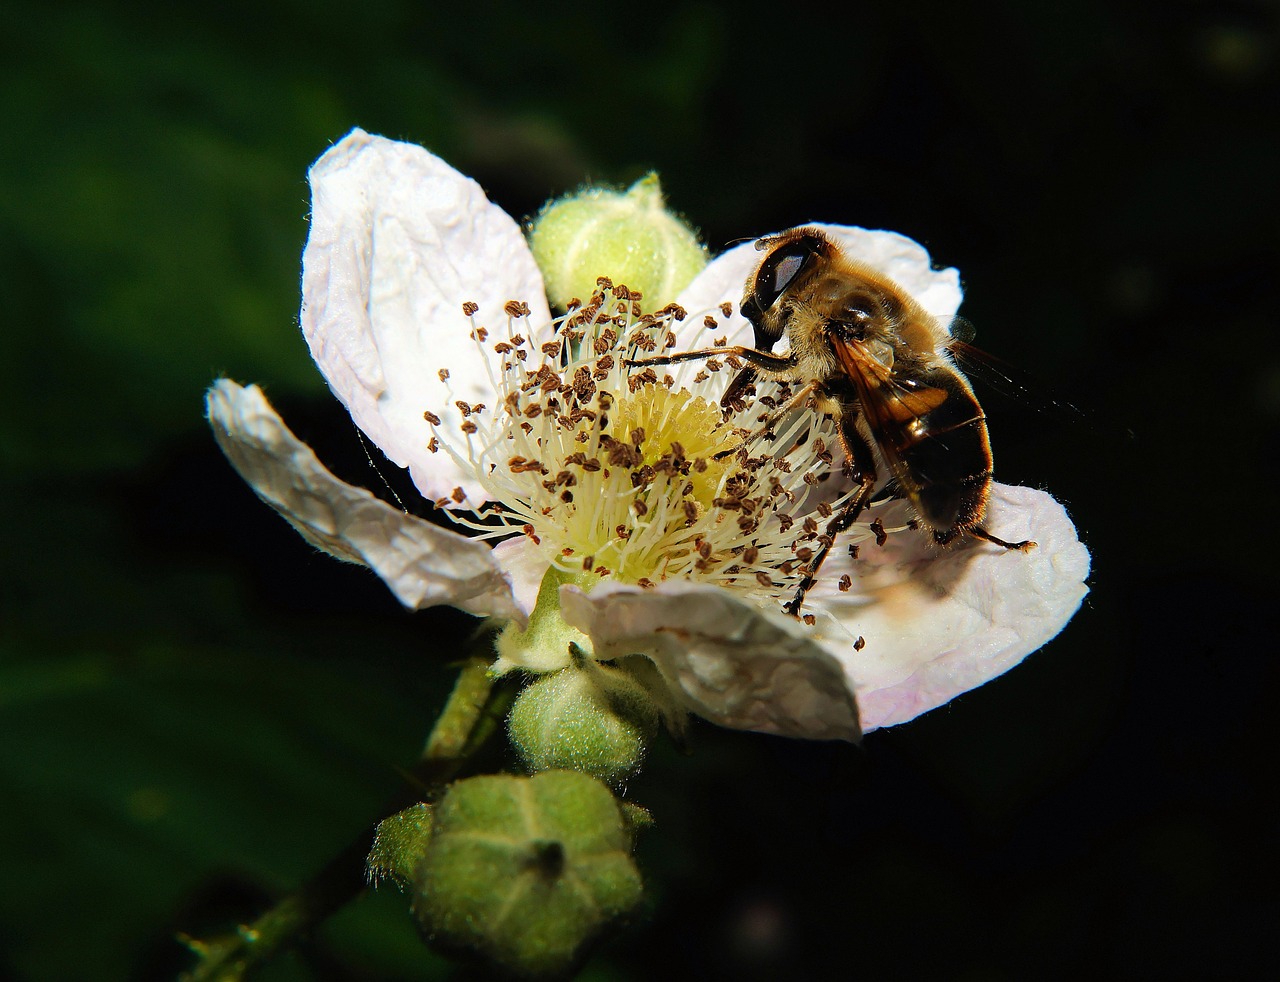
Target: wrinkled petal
733	664
399	241
939	622
525	564
423	564
903	260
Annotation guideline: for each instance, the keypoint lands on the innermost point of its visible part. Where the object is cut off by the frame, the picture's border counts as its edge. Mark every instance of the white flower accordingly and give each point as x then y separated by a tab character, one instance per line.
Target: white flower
426	313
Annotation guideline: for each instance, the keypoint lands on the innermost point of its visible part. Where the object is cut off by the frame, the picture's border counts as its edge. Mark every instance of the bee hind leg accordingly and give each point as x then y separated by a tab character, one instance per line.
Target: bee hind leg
978	532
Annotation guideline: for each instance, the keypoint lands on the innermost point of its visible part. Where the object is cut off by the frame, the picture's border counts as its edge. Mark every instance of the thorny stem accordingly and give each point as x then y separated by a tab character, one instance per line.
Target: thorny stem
473	713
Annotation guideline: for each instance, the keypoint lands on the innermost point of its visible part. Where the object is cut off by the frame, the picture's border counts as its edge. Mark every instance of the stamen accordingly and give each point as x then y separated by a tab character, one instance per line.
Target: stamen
641	477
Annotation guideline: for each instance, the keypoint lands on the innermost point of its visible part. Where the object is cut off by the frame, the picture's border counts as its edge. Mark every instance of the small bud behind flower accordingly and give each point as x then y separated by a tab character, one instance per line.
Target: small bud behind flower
526	872
629	236
588	717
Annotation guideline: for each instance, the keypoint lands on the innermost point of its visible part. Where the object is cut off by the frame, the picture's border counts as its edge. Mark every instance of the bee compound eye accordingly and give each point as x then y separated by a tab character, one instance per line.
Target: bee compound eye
781	267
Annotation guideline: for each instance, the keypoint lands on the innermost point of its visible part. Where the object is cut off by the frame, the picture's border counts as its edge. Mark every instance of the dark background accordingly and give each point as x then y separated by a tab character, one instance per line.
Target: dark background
196	710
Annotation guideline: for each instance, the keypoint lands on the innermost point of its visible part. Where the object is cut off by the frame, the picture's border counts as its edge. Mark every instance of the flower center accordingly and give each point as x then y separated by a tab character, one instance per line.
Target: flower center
614	471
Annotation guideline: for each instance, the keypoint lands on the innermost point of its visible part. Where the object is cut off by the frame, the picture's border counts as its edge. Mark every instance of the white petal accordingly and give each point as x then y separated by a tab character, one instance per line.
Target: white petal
938	622
735	665
423	564
399	241
903	260
525	564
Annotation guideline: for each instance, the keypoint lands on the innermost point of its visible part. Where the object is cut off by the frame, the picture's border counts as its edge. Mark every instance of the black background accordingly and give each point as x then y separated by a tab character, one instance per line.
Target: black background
196	710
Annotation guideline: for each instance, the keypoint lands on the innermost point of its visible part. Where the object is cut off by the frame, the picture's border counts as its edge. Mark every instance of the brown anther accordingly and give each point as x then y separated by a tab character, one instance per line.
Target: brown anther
701	377
591	465
845	584
720	342
528	530
551	349
645	583
431	418
710	323
622	532
444	374
824	509
860	643
700	464
853	551
468	427
480	334
764	579
566	496
533	410
785	521
588	563
809	619
881	535
713	364
726	308
690	512
433	445
637	436
521	465
913	524
704	548
469	308
516	308
804	554
640	508
603	571
463	408
458	495
750	554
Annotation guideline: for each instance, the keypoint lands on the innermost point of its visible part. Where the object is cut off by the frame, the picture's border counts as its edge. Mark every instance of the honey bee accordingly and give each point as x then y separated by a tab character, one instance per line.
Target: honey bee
866	353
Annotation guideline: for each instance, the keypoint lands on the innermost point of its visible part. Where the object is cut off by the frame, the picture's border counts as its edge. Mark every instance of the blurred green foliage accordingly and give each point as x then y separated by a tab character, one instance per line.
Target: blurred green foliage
196	710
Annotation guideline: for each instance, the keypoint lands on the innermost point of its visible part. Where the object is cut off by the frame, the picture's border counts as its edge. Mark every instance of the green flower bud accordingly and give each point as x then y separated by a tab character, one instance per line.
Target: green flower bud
628	236
526	872
588	717
399	845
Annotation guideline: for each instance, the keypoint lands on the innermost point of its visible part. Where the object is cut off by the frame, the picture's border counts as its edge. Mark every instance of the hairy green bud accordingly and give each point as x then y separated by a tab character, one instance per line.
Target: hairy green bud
588	717
526	872
628	236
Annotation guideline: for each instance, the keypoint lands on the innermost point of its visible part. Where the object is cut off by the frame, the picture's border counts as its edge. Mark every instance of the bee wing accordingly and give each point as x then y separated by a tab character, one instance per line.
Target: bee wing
897	410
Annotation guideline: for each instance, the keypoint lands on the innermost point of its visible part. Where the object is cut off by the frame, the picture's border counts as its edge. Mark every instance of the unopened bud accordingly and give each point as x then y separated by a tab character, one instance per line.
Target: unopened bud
526	872
589	717
628	236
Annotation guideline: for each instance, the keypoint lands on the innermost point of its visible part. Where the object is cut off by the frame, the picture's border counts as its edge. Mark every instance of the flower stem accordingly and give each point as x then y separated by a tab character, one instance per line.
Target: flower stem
471	716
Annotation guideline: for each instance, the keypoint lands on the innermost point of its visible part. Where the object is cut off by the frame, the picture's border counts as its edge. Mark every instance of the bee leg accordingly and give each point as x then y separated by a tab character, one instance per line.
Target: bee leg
863	467
792	404
760	359
978	532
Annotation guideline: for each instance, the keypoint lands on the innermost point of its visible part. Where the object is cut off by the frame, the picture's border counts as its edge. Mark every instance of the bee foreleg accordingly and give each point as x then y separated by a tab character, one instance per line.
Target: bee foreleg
752	356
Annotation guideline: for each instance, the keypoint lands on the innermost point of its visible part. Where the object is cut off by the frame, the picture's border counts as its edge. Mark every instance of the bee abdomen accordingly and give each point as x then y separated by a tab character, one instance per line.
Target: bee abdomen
948	455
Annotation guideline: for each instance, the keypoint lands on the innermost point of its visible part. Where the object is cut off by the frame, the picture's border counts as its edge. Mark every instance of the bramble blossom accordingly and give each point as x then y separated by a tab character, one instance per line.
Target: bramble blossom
558	467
